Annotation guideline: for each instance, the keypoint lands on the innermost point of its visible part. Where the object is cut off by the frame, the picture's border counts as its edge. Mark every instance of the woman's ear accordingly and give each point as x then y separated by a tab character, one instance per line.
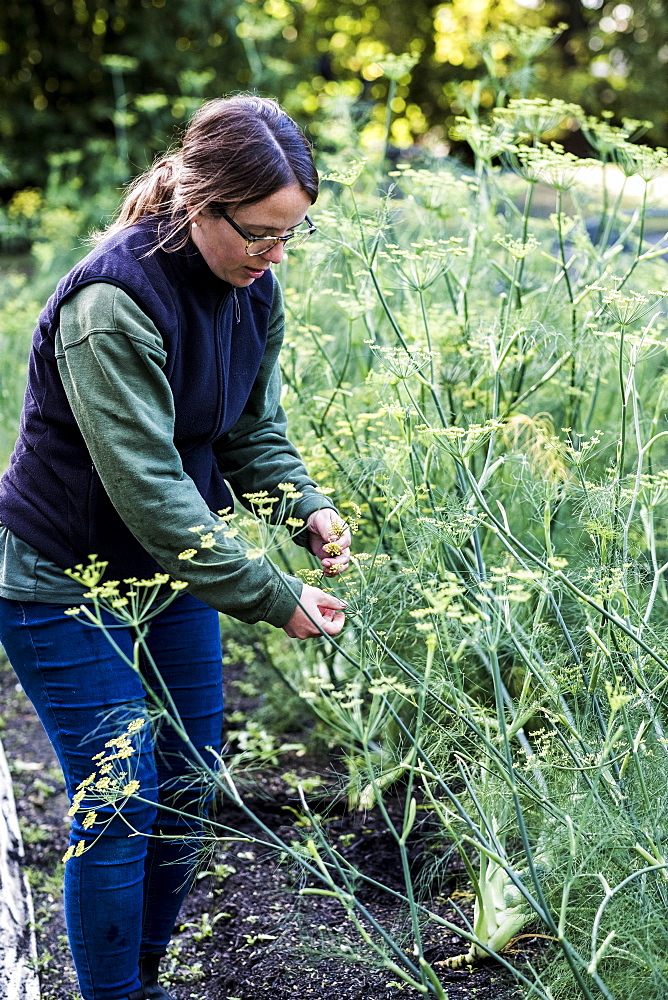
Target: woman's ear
194	217
194	220
193	214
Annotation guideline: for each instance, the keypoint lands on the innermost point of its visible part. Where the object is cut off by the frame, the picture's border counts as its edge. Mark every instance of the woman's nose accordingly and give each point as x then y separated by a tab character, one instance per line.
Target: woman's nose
275	255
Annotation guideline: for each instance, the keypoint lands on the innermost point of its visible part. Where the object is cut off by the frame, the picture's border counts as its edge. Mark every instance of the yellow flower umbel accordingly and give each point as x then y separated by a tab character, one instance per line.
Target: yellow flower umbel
131	606
259	533
108	784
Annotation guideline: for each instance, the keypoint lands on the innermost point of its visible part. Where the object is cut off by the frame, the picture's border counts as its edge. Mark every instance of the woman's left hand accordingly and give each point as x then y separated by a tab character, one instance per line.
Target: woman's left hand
329	540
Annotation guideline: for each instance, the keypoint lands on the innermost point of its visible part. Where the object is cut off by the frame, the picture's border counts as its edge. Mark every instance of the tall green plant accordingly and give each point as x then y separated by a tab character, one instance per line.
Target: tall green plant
486	383
526	543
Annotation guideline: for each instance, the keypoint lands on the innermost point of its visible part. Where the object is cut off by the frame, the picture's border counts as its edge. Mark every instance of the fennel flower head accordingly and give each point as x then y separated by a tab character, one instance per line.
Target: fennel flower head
532	117
551	164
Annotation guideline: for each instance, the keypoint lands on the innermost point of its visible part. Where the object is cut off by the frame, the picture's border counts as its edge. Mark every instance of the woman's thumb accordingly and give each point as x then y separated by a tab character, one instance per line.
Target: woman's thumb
330	601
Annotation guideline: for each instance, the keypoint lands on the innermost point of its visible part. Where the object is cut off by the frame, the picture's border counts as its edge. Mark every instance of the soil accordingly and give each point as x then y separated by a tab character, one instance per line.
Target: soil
245	932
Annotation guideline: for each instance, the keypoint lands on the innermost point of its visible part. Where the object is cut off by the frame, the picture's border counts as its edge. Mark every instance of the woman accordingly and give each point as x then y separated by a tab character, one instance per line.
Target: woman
153	382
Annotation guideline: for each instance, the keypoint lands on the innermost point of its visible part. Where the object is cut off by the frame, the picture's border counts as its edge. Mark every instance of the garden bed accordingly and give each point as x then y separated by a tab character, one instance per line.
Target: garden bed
246	932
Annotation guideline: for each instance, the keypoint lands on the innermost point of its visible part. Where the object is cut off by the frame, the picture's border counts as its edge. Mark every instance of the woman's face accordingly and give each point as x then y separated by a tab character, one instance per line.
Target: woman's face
224	249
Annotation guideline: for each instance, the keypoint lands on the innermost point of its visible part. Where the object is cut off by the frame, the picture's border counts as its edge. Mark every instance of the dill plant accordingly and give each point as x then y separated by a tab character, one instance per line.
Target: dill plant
492	396
486	385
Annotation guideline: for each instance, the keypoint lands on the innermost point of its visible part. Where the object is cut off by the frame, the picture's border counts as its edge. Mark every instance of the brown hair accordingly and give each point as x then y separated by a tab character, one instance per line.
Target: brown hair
236	151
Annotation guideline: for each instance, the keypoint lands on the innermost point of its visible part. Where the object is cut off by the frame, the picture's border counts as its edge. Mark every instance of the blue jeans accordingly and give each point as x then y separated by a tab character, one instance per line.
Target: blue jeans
123	894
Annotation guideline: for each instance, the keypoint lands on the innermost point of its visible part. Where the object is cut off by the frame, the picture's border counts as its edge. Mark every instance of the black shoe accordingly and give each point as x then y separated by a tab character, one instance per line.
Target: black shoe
150	987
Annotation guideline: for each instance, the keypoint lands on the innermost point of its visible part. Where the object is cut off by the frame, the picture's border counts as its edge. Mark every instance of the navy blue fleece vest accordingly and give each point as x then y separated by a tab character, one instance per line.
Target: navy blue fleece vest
214	337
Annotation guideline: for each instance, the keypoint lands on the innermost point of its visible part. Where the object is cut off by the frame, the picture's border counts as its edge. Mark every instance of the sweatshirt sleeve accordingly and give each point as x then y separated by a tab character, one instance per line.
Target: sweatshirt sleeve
111	358
256	453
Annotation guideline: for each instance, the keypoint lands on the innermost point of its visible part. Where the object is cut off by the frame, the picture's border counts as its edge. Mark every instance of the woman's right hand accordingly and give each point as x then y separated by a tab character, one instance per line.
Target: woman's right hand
325	610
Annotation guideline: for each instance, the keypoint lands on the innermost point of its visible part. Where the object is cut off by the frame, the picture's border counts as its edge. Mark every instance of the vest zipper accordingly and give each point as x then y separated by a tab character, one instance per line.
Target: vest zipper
220	309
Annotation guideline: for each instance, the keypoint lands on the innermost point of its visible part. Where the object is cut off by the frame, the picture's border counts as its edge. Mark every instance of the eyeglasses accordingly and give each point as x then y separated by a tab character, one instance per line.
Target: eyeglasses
262	244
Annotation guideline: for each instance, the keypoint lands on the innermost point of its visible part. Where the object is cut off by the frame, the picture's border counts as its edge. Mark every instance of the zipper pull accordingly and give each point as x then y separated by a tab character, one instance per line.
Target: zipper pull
237	307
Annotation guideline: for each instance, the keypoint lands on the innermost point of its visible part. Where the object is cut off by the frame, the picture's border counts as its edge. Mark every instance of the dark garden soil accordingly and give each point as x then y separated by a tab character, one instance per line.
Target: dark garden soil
245	932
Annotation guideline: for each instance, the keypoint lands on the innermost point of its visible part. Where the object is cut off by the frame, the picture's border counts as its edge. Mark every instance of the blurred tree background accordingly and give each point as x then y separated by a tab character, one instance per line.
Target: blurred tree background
87	82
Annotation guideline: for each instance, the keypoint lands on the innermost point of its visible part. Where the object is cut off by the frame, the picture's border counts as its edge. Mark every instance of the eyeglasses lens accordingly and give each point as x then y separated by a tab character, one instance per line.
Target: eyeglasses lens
298	239
258	247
